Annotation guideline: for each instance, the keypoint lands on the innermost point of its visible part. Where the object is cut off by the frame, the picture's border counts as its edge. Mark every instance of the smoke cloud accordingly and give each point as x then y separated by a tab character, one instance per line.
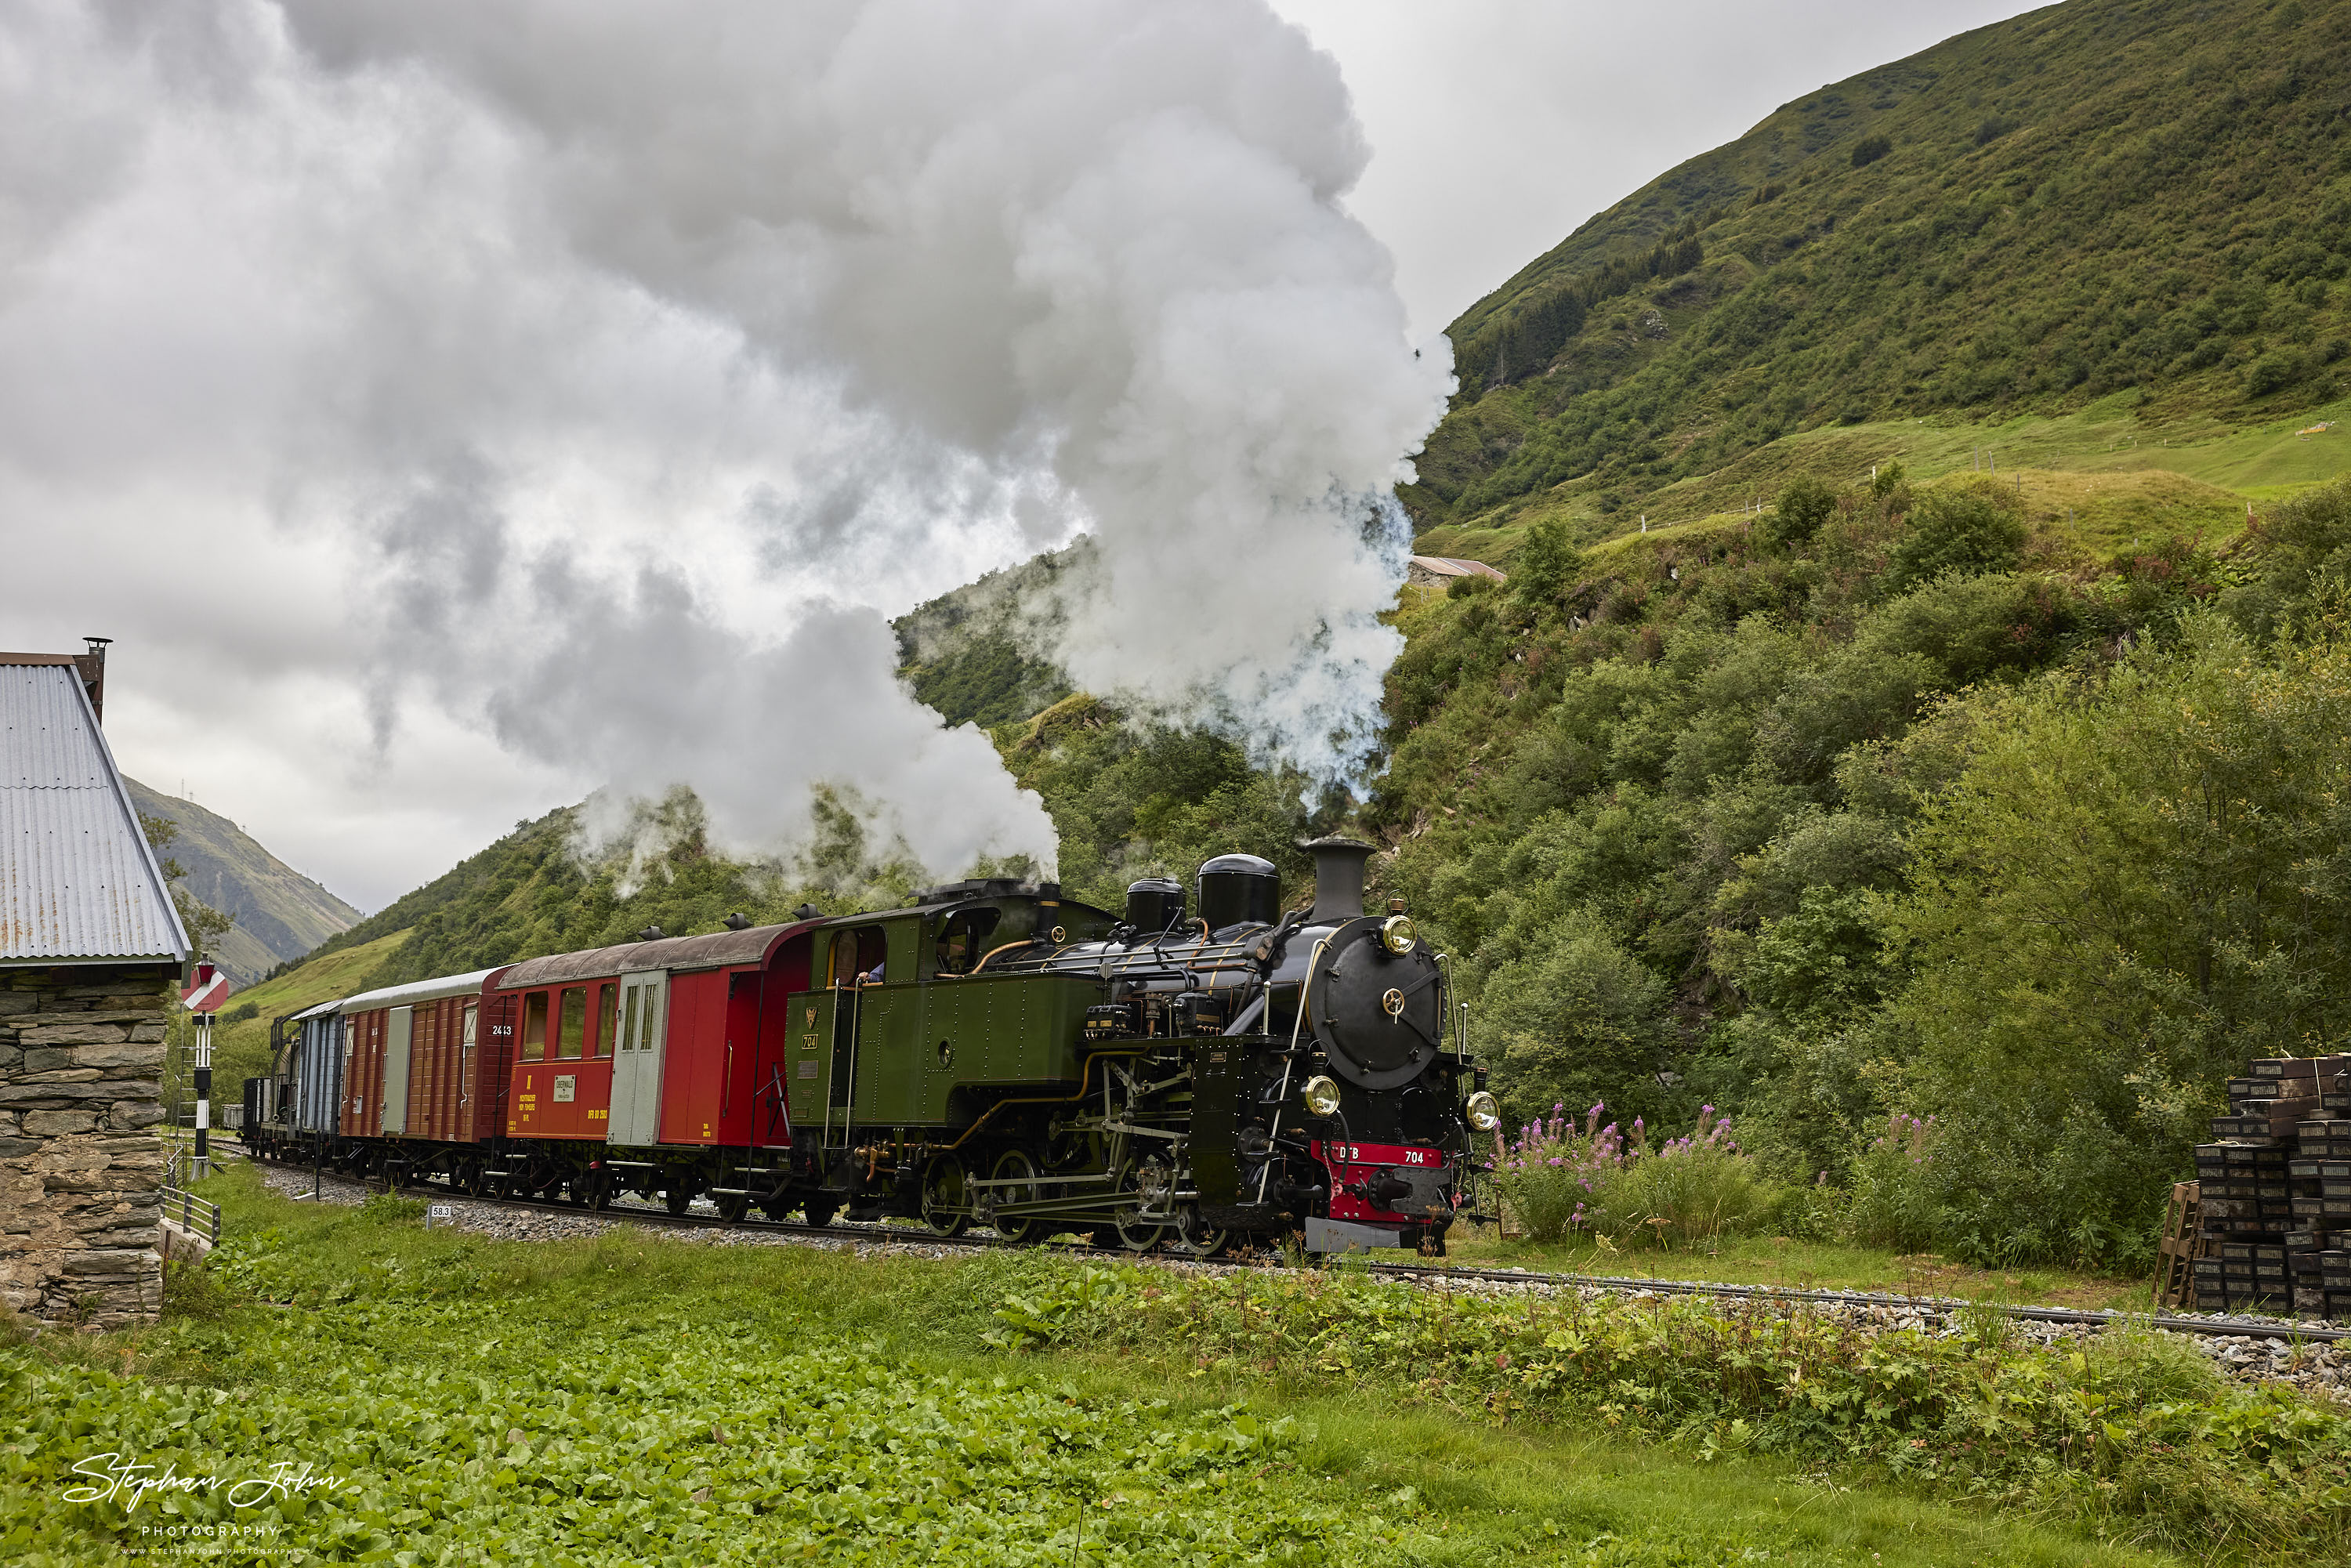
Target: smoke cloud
624	365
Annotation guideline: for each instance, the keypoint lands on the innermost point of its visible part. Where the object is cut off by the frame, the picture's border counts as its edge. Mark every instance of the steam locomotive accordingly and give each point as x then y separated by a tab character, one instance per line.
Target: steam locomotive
1193	1076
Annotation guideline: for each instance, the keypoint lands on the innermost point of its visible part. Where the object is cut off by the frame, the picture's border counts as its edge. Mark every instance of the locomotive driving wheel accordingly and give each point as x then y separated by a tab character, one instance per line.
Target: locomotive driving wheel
1194	1237
1015	1165
1149	1186
946	1196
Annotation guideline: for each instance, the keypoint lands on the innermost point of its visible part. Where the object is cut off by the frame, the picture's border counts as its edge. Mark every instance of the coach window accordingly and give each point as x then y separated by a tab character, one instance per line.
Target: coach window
629	1040
608	1011
534	1027
574	1025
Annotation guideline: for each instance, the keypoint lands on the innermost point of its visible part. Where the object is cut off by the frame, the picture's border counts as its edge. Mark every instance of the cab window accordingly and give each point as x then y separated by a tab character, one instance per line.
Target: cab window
963	939
534	1026
858	954
574	1026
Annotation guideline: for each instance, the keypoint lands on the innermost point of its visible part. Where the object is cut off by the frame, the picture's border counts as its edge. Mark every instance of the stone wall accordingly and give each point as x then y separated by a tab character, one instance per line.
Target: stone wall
81	1063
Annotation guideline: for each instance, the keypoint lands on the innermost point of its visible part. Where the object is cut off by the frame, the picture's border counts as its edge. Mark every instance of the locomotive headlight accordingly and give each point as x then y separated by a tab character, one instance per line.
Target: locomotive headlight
1484	1111
1397	935
1322	1096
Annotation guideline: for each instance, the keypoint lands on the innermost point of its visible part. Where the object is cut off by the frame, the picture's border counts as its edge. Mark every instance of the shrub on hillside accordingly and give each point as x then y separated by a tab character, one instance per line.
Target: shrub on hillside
1870	148
1804	504
1579	1019
1966	530
1547	565
2273	371
2124	897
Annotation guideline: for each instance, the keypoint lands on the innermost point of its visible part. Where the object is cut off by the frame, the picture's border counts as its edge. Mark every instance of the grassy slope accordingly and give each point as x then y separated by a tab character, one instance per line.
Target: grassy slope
418	1363
2099	198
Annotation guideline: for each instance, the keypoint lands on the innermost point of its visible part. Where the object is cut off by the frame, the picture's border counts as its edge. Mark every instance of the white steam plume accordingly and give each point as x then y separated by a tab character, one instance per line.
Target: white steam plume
634	358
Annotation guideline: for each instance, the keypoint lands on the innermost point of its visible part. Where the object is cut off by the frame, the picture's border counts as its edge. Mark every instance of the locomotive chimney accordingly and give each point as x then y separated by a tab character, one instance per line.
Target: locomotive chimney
1337	877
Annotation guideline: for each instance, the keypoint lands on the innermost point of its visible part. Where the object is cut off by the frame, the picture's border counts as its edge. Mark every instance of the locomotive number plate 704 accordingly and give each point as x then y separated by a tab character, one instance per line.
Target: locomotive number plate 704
1359	1154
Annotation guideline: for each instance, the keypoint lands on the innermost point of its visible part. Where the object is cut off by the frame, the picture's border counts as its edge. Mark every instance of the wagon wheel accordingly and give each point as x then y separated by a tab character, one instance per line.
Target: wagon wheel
947	1197
817	1212
678	1196
1015	1165
473	1181
594	1190
732	1206
1194	1237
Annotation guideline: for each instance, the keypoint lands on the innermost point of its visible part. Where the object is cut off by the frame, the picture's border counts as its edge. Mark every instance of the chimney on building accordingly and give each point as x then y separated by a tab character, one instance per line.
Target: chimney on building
92	669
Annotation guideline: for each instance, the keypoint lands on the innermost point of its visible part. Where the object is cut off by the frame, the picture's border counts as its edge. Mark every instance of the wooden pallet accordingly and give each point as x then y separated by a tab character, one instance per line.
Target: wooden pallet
2182	1244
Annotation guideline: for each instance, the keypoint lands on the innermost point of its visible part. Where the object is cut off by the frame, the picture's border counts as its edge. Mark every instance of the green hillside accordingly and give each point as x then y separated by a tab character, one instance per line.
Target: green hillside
280	913
2071	236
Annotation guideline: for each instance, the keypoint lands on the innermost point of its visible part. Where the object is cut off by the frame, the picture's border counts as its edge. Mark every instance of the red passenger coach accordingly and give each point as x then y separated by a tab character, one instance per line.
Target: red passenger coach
675	1041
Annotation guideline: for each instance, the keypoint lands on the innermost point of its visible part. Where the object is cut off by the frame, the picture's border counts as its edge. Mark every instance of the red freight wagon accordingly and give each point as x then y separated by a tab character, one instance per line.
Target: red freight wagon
423	1061
677	1040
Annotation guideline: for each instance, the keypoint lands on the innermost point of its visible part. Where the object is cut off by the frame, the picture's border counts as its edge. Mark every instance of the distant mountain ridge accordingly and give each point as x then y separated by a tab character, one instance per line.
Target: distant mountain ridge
280	913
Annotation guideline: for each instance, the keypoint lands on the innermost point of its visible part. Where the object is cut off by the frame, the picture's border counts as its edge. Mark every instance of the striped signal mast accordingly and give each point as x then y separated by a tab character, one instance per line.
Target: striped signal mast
204	1000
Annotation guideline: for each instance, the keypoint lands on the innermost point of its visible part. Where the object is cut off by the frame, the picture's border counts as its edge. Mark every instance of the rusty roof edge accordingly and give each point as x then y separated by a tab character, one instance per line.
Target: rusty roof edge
706	951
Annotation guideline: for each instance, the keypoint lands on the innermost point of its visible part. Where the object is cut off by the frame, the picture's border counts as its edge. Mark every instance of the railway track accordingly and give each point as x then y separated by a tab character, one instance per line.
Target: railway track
1932	1306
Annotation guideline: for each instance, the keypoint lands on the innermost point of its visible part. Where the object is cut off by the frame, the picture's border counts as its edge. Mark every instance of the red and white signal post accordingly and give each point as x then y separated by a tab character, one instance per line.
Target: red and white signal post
202	999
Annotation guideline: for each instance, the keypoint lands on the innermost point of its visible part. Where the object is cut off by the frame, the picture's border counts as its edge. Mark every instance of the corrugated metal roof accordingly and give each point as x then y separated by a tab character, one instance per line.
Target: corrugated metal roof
715	950
321	1010
76	877
417	991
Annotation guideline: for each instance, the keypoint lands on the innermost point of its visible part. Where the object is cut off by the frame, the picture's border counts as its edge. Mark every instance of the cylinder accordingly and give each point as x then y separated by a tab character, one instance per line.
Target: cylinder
1154	904
1337	877
1236	890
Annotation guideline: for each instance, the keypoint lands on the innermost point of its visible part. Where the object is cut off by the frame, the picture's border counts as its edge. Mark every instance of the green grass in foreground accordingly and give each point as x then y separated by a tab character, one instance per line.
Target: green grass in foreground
1806	1266
644	1400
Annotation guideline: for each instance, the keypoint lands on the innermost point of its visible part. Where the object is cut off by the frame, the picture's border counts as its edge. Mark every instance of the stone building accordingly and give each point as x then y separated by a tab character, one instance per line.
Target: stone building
90	950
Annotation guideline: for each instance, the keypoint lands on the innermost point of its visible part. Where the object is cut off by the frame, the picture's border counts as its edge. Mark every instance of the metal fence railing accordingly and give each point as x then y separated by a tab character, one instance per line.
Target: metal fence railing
194	1213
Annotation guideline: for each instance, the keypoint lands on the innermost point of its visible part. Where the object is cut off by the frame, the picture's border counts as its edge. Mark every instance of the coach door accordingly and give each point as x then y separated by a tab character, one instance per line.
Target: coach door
637	1060
401	1026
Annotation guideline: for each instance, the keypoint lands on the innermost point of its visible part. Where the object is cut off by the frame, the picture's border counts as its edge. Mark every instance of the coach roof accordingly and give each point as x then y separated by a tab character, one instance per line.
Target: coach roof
715	950
416	991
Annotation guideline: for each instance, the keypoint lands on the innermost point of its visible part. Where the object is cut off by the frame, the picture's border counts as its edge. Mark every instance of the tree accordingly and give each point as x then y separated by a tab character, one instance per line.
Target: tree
204	924
1803	506
1963	528
1547	565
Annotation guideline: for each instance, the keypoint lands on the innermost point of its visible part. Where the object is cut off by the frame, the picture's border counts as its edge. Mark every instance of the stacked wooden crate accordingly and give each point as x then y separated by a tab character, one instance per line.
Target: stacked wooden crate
2276	1192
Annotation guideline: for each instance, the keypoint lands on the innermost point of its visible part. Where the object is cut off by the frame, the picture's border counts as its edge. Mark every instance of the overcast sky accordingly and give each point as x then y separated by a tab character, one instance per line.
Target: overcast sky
249	667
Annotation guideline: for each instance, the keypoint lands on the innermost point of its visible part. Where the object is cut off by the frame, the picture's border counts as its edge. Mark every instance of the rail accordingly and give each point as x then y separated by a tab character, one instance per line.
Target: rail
194	1214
